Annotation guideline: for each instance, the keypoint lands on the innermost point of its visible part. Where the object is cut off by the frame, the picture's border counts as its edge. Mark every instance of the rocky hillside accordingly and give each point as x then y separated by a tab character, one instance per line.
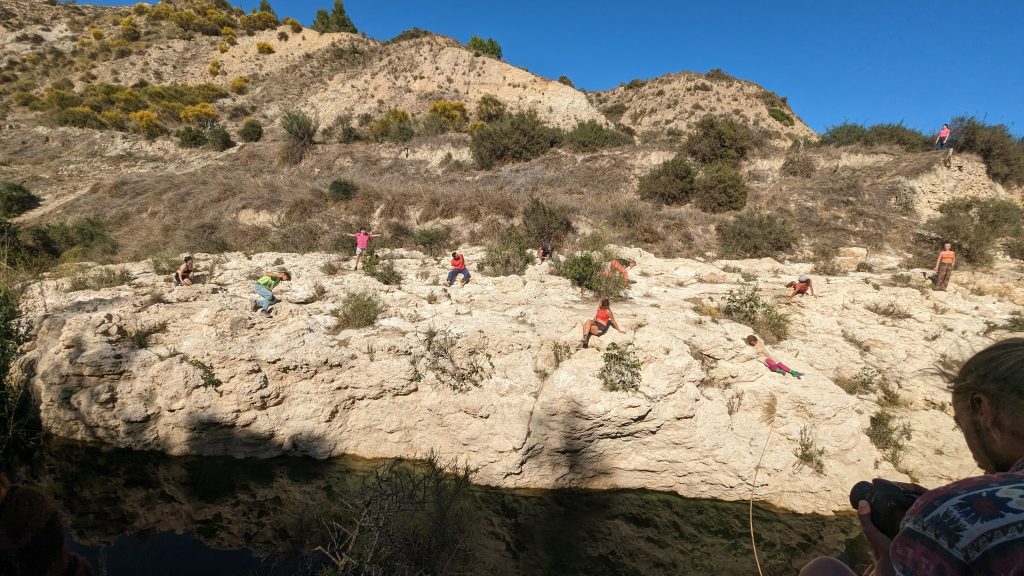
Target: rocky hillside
486	372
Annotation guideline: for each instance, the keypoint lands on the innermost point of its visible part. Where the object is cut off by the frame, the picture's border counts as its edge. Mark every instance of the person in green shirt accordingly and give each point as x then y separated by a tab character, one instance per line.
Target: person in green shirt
264	288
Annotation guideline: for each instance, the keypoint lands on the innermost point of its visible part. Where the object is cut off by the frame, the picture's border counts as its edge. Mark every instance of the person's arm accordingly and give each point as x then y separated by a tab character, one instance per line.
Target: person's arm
792	295
611	320
352	234
375	235
952	264
810	285
937	260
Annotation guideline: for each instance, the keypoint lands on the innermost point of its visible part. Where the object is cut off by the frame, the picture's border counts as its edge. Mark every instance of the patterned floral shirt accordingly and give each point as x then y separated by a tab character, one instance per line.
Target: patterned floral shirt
973	526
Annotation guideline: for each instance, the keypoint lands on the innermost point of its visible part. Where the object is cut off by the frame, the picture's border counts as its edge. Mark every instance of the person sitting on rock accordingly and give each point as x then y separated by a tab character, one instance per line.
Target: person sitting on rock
973	526
458	267
362	243
802	285
185	272
599	325
544	252
620	266
770	362
264	288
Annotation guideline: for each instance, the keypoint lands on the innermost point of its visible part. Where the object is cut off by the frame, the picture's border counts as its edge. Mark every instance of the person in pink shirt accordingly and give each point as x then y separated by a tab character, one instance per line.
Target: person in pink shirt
362	243
943	137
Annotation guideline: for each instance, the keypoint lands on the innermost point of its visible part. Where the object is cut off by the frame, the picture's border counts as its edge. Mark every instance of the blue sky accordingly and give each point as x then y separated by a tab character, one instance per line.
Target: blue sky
919	62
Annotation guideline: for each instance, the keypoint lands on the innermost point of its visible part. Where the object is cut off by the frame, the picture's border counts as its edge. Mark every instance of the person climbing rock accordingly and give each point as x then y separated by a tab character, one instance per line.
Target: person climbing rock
264	288
183	276
362	243
943	138
599	325
458	267
770	362
802	285
544	252
944	267
621	266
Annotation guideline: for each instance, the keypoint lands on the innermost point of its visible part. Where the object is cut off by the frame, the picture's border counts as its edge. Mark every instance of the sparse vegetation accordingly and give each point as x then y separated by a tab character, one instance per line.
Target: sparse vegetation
562	352
514	138
781	116
385	272
889	435
807	452
973	226
457	370
747	307
15	199
431	239
888	309
510	253
848	133
672	182
264	48
588	272
139	336
358	310
251	131
591	135
209	379
621	368
756	234
394	126
719	139
106	277
543	222
1002	152
301	127
799	165
342	190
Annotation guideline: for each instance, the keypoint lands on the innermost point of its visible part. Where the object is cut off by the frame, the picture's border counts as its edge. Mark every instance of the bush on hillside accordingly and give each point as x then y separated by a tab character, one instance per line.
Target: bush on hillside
1003	154
452	114
264	48
510	254
342	190
251	131
300	126
394	126
79	117
747	307
671	182
897	135
335	21
431	239
490	109
219	138
974	226
486	47
410	34
191	137
239	84
146	123
621	370
358	310
720	188
15	199
756	234
545	222
719	139
515	138
799	165
588	271
591	135
781	116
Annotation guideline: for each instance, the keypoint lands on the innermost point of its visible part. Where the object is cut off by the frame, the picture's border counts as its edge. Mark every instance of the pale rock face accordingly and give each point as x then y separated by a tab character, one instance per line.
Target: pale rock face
221	380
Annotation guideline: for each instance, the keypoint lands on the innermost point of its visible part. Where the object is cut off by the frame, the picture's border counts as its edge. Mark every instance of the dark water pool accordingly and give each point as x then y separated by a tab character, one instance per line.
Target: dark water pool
131	513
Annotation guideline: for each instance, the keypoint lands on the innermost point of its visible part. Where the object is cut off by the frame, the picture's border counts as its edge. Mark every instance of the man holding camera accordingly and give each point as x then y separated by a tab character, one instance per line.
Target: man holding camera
974	525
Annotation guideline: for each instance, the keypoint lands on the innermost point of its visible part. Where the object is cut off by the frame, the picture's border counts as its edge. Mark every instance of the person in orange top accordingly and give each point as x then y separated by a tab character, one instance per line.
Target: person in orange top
944	267
620	265
599	325
458	267
801	286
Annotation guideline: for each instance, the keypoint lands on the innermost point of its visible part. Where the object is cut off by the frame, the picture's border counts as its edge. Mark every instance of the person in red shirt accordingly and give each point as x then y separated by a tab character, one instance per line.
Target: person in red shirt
944	267
943	137
599	325
621	266
458	267
802	285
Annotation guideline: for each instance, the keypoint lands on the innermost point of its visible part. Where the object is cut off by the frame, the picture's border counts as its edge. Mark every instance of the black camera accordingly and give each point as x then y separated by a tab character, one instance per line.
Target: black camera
889	503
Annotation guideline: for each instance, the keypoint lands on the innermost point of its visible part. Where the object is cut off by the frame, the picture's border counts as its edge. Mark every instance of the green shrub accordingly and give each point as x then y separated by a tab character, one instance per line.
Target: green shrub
20	431
781	116
99	279
264	48
431	239
877	135
720	188
15	199
191	137
621	368
452	115
671	182
546	223
719	139
385	272
889	435
1014	248
515	138
410	34
219	138
844	134
301	126
974	225
210	379
486	47
490	109
358	310
79	117
335	21
888	309
164	264
510	254
807	452
251	131
747	307
588	272
614	112
394	126
756	234
342	190
591	135
1003	154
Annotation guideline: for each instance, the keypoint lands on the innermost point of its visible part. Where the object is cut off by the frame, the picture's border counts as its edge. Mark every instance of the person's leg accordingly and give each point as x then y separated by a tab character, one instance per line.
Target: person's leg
265	296
587	328
452	274
826	566
943	277
465	275
359	256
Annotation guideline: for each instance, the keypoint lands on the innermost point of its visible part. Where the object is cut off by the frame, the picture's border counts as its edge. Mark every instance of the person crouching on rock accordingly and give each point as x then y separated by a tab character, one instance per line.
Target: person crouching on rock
770	362
544	252
458	267
621	266
183	276
801	286
599	325
264	288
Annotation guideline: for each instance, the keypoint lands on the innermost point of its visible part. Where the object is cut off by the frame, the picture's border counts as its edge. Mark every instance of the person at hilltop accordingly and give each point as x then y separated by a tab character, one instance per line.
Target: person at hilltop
458	268
621	266
362	243
777	367
599	325
264	287
944	267
802	285
973	526
544	252
941	141
185	273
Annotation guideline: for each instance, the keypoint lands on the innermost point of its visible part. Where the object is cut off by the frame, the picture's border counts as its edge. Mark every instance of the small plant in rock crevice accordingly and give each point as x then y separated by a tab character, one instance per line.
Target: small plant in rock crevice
621	368
210	380
889	435
457	369
807	452
562	351
358	310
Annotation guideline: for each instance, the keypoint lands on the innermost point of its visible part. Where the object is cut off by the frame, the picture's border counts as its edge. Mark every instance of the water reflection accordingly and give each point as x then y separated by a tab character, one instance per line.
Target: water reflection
134	513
